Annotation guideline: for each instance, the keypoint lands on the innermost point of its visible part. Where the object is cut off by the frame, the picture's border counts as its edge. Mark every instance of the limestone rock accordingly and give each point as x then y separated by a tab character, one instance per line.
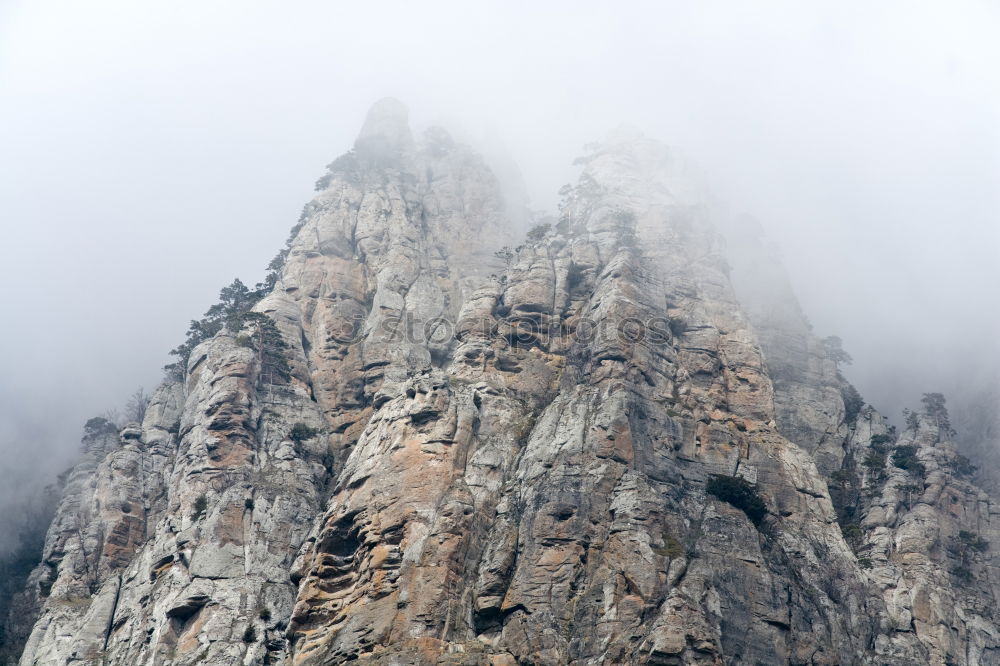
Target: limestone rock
514	448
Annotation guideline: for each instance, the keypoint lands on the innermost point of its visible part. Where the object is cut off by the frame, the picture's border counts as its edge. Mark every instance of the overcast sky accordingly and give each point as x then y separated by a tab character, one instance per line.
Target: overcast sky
152	151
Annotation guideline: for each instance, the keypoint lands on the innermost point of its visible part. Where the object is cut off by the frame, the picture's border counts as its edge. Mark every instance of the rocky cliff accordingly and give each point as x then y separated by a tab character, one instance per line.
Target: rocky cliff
613	442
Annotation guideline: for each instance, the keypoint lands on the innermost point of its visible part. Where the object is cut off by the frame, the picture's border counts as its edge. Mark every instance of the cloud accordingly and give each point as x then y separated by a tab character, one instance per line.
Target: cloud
154	151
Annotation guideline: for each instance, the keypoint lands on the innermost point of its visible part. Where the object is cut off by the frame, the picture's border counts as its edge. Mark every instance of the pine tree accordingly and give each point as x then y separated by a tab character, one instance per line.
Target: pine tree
266	340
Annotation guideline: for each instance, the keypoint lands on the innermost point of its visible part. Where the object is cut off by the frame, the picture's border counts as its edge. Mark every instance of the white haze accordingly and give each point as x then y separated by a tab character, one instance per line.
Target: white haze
152	151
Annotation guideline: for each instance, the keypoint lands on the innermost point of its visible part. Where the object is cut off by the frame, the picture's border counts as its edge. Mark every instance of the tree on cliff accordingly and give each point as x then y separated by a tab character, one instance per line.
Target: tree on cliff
835	350
934	405
266	340
135	408
234	301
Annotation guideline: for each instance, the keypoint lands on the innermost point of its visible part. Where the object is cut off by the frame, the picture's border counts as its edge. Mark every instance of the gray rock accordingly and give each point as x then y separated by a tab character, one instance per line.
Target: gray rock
514	453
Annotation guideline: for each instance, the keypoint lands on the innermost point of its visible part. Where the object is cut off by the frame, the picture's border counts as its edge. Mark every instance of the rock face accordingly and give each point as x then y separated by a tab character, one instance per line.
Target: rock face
482	454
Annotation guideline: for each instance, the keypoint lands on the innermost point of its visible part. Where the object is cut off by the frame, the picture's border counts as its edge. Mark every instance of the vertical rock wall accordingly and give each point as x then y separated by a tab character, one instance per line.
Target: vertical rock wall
492	453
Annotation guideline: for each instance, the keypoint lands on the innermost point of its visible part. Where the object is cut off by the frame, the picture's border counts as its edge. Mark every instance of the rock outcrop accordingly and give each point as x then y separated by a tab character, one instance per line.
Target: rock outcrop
615	443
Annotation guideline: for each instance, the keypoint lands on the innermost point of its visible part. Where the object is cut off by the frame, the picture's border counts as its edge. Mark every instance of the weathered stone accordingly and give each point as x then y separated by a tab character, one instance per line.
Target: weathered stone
513	453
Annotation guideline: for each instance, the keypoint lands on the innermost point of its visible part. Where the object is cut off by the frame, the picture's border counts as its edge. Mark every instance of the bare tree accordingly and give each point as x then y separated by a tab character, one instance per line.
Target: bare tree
114	416
135	408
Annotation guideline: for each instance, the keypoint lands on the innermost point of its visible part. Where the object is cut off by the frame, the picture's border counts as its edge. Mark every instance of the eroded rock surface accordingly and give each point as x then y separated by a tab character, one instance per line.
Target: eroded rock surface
507	449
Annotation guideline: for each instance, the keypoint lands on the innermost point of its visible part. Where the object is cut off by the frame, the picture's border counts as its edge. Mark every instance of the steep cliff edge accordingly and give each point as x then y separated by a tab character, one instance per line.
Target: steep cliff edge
428	446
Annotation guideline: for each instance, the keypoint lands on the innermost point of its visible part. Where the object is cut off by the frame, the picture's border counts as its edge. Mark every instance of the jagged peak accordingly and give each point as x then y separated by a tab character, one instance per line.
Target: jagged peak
388	120
629	134
629	161
626	139
519	397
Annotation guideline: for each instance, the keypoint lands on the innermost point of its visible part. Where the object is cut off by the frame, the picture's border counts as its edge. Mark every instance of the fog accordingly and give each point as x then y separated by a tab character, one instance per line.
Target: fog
151	152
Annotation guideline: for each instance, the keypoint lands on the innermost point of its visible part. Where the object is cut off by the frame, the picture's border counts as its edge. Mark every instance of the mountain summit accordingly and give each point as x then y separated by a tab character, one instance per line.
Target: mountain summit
387	119
426	441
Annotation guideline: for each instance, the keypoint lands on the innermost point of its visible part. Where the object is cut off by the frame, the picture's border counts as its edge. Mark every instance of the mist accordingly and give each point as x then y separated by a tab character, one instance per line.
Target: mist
151	152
